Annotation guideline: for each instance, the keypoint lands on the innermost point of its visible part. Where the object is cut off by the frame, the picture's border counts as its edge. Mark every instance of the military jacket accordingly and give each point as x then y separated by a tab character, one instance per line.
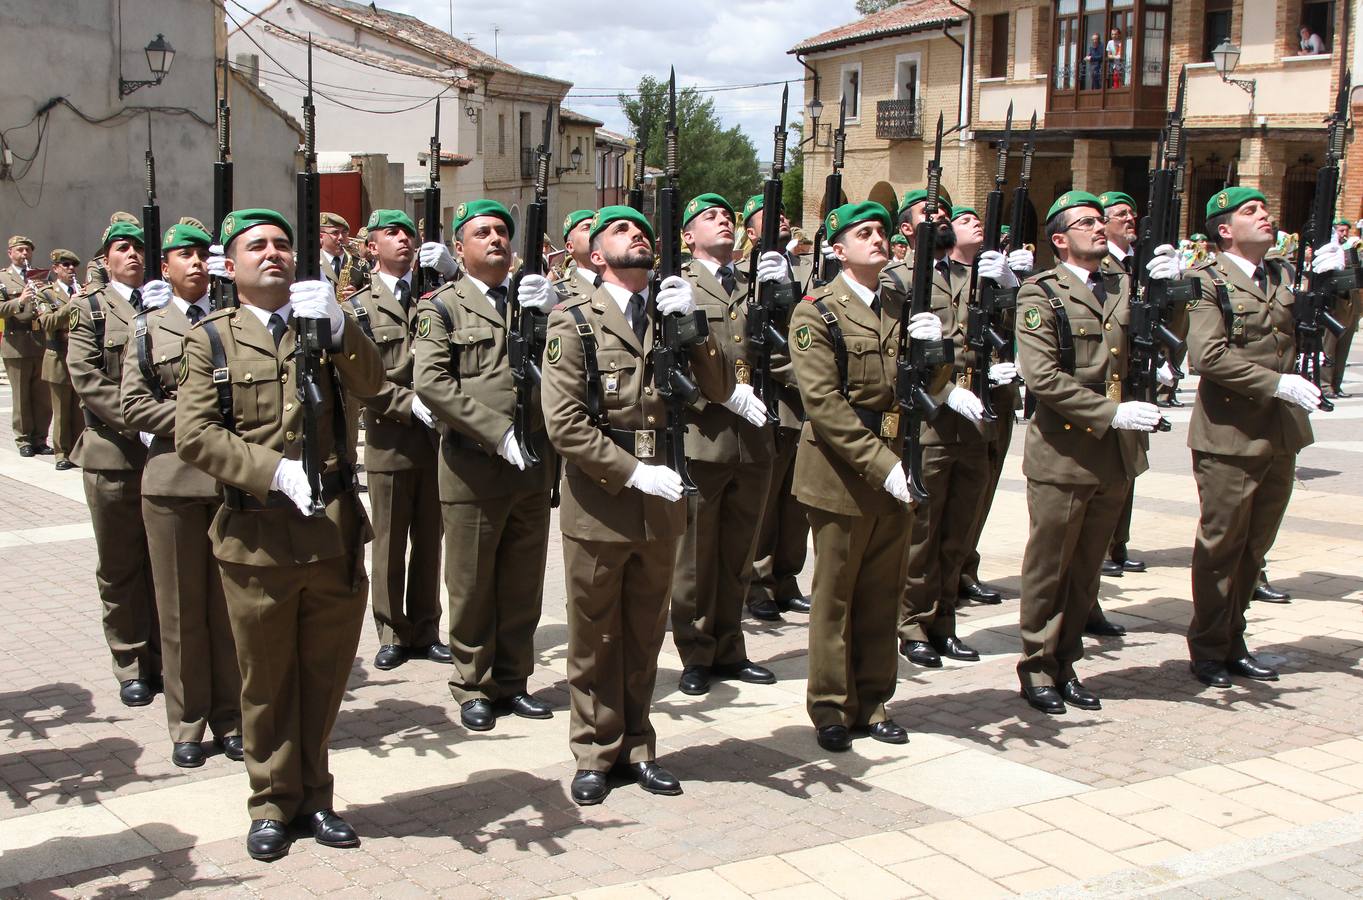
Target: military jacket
108	443
596	504
1071	440
790	407
1178	322
1240	358
463	373
23	335
53	318
575	282
354	273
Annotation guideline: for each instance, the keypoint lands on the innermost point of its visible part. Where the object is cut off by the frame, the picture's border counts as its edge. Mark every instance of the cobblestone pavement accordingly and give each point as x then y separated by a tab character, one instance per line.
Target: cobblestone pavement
1170	789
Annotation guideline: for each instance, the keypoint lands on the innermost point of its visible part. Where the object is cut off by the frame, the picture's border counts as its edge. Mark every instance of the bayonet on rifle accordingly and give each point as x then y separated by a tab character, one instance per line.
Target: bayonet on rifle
151	218
222	291
428	279
309	344
769	301
825	270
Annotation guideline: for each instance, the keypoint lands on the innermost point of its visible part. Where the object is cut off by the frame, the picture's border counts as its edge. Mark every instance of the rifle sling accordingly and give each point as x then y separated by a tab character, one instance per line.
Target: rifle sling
448	321
97	322
596	406
362	317
143	342
839	345
1062	328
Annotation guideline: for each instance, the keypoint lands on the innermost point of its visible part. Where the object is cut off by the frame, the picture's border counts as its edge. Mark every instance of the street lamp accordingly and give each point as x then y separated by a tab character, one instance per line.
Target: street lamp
575	157
160	54
815	111
1226	57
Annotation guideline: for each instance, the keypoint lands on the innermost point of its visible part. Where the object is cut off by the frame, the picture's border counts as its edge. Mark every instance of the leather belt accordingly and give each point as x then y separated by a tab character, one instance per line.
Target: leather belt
334	485
640	443
884	425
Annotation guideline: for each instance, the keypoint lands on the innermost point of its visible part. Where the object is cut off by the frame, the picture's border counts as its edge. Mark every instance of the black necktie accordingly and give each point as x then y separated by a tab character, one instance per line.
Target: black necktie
945	268
336	266
875	305
726	279
136	299
498	297
194	313
276	327
596	280
638	321
1261	279
1126	263
404	294
1099	289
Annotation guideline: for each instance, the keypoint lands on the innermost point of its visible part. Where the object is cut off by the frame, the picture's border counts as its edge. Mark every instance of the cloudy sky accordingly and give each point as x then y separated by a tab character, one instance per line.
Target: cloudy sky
603	47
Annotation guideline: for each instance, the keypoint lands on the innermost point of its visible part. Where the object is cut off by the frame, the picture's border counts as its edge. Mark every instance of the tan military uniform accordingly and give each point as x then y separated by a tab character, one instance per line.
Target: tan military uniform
731	464
22	350
112	457
67	421
955	473
404	502
619	544
1078	467
203	685
1244	442
1346	309
860	530
354	273
496	516
295	586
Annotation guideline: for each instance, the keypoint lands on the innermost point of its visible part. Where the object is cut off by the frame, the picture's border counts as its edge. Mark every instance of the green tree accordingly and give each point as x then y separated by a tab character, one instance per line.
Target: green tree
793	187
710	158
866	7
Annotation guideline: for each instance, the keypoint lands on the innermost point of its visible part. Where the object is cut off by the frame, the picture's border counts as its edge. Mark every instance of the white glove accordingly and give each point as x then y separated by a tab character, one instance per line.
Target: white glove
510	451
925	326
317	300
746	405
1003	373
658	481
1329	258
435	255
827	251
965	403
794	242
1166	263
1021	261
674	296
771	266
155	294
146	437
1165	376
217	262
1136	415
421	412
534	293
1298	390
994	267
897	484
291	481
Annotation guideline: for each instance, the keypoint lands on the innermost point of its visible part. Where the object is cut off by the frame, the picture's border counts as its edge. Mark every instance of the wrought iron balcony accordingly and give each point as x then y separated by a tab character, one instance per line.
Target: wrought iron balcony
899	120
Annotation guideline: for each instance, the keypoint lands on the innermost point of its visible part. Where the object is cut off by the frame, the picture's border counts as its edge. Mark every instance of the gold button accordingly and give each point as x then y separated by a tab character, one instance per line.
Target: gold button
1275	329
249	378
1114	351
288	407
1067	426
712	351
1088	429
603	481
289	435
649	391
738	338
890	353
1240	307
1083	331
734	314
284	377
1107	326
352	357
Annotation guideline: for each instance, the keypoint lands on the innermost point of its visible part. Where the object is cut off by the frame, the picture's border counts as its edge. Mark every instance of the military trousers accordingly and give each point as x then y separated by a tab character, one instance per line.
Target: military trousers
31	401
67	421
1243	502
123	572
495	552
1071	526
714	562
617	615
405	586
296	628
956	477
1169	391
859	565
198	654
783	536
1337	348
998	455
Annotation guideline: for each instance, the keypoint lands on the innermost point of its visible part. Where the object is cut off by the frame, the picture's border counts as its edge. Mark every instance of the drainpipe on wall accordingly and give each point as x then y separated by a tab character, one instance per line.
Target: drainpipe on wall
965	103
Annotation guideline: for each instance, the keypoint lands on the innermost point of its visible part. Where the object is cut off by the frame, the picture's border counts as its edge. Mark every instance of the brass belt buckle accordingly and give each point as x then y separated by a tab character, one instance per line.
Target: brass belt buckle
889	425
1114	389
742	372
963	378
645	444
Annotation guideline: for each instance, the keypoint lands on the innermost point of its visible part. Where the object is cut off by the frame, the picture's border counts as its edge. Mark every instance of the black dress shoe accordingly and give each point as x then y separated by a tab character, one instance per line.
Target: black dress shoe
435	652
655	779
695	680
26	452
231	747
1163	403
267	840
527	707
1210	673
42	449
834	738
888	732
589	788
1249	667
954	648
1342	394
1075	694
477	715
390	656
1112	568
188	754
330	830
64	465
795	604
1045	698
1102	626
979	593
764	609
1176	403
1133	565
746	671
920	653
1267	593
136	692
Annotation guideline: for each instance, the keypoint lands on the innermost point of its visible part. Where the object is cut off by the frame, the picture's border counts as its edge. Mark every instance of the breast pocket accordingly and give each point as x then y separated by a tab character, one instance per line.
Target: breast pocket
392	344
475	347
257	395
166	359
620	378
865	364
1089	346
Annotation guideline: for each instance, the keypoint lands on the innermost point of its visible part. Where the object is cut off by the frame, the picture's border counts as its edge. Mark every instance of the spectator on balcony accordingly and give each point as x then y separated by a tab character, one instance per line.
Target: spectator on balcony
1310	41
1116	64
1094	63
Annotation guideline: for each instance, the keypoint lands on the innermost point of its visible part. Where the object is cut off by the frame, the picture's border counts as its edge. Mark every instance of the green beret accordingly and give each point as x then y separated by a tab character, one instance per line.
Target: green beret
1197	236
753	205
475	208
1071	199
387	218
849	214
1342	221
1112	198
576	218
918	195
959	211
1004	229
121	230
607	214
1231	199
239	220
899	239
181	235
701	203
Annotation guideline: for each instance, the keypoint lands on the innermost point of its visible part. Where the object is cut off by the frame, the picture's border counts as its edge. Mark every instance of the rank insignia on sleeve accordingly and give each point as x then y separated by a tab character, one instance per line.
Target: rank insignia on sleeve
182	374
74	319
803	339
554	351
423	326
1032	318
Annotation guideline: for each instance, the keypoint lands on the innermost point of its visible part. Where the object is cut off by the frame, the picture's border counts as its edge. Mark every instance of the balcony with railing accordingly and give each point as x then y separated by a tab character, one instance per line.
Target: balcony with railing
1110	66
899	120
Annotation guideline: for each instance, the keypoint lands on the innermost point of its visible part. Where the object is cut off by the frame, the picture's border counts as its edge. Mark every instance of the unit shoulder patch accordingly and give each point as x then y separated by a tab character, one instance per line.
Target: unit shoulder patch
804	339
423	326
1032	318
554	350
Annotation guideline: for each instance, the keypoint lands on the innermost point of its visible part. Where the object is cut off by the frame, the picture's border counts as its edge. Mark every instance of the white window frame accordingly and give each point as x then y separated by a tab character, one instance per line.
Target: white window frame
917	60
853	115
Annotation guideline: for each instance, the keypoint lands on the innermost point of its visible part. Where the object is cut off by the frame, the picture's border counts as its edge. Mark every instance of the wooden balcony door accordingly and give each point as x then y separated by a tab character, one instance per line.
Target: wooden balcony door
1110	56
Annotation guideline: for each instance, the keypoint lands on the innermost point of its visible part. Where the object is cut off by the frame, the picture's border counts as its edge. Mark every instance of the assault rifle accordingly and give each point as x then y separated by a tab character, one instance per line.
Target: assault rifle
426	279
825	270
151	218
768	301
986	331
309	346
222	291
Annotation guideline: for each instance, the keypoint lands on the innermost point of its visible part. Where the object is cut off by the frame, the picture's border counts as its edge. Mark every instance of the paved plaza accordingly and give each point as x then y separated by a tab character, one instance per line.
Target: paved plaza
1171	789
